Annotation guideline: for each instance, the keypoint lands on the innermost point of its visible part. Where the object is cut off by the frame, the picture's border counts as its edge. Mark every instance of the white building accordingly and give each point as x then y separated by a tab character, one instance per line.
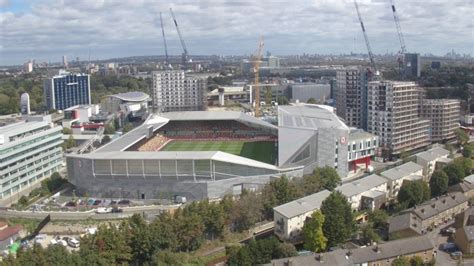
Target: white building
28	67
174	90
429	158
395	176
289	218
368	192
30	151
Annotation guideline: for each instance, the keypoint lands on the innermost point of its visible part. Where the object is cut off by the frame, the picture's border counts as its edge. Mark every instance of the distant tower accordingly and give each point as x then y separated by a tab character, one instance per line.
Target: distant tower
25	104
64	61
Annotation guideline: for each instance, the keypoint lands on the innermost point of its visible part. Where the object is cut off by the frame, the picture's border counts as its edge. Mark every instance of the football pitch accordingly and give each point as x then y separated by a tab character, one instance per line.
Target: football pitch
260	150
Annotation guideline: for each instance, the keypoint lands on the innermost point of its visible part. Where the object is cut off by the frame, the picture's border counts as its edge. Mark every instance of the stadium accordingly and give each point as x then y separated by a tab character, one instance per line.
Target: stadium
204	154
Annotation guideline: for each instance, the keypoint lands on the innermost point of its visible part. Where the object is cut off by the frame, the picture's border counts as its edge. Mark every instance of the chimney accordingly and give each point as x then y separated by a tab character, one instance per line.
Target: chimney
377	249
149	132
422	210
453	196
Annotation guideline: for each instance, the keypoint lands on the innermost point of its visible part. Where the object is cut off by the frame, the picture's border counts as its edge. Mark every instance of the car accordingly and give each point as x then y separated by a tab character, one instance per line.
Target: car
62	243
456	254
124	202
71	204
72	242
113	202
116	210
96	202
103	210
448	247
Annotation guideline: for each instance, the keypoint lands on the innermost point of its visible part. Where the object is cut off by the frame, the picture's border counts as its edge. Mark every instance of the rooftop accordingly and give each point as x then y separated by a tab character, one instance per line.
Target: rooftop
9	232
361	185
437	205
309	116
302	205
132	96
359	134
401	171
432	154
469	178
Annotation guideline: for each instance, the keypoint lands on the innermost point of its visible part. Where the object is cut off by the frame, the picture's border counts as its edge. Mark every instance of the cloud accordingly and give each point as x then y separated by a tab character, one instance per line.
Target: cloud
4	3
51	28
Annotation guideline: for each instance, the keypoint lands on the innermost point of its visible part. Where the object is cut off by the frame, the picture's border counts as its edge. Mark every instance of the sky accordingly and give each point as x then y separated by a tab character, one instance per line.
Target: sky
46	30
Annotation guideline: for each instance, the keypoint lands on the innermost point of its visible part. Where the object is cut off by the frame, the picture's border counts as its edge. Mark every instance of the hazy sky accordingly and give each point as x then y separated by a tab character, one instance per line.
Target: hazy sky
47	29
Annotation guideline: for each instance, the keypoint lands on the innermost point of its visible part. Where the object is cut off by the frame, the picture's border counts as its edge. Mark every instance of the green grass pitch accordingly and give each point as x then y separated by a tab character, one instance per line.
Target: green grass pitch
260	150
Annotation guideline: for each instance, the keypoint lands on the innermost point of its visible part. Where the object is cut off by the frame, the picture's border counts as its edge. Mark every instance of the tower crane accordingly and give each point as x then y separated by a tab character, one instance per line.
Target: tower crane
369	49
167	62
185	53
257	60
401	54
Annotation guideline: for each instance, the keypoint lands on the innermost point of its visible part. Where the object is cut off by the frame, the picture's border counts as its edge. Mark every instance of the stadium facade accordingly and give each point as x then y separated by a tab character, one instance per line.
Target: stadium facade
137	165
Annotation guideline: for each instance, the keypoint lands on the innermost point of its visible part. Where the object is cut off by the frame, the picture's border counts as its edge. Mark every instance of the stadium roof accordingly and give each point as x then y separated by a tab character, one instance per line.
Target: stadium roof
401	171
132	96
176	155
212	116
303	205
309	116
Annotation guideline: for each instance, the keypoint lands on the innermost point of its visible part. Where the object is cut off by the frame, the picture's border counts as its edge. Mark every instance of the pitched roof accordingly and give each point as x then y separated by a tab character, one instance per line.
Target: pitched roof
403	222
361	185
401	171
437	205
432	154
302	205
469	178
10	231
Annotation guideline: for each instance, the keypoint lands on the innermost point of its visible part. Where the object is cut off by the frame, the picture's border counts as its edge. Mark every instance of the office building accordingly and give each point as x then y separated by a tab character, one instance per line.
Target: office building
302	92
28	67
412	66
30	151
174	90
394	116
67	89
443	115
350	95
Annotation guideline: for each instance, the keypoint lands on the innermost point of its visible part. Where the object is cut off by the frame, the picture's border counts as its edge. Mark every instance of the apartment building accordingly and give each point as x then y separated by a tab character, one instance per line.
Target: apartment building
175	90
394	116
30	151
396	176
67	89
428	159
350	95
444	115
369	192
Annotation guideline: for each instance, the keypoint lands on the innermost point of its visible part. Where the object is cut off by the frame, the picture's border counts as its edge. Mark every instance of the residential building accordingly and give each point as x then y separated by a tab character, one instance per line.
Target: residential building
8	234
304	91
289	218
466	187
30	151
28	67
464	235
369	192
394	116
67	89
65	63
429	158
443	115
412	66
350	95
381	254
396	176
175	90
428	215
361	147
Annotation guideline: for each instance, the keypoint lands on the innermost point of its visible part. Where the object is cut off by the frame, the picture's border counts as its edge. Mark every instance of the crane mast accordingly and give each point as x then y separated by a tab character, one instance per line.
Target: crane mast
185	54
167	62
402	52
257	60
369	49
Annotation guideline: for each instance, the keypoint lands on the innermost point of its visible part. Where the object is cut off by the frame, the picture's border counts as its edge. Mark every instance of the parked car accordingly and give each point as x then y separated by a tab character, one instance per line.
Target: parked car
71	204
124	202
103	210
448	231
456	254
448	247
96	202
72	242
62	243
116	210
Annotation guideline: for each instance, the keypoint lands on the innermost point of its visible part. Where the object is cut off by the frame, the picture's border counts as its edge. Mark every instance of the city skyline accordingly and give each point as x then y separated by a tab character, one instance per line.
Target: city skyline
47	29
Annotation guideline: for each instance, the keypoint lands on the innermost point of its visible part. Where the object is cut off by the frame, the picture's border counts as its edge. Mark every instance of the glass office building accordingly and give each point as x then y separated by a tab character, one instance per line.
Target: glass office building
67	89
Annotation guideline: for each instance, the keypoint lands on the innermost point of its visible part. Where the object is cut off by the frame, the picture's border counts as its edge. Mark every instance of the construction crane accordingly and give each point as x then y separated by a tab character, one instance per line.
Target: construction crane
167	62
369	49
401	54
185	53
257	60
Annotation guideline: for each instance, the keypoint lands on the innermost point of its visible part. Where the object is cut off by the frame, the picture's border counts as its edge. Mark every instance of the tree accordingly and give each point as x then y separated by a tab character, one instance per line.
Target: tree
461	136
127	127
67	131
268	95
465	163
23	201
314	239
109	129
468	150
413	192
401	261
70	143
455	172
378	218
285	250
417	261
438	183
329	177
405	156
339	223
105	140
277	192
369	235
166	257
311	101
282	100
247	211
